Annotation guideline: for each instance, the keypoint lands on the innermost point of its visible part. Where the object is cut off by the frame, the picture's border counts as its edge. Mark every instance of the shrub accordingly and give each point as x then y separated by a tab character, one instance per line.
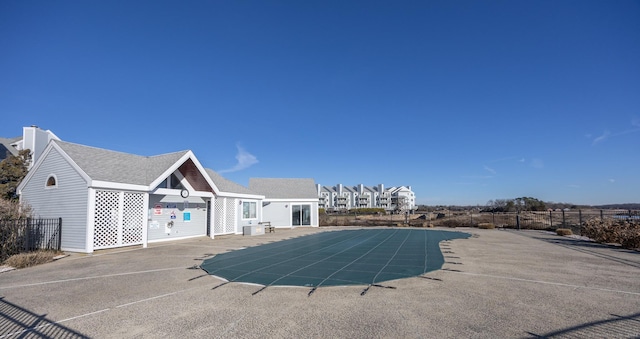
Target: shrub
631	239
12	214
623	232
418	222
12	209
452	223
23	260
486	225
563	231
363	211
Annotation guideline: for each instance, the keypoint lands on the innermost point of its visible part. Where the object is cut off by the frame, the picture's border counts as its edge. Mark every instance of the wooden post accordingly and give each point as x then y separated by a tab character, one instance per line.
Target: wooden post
580	216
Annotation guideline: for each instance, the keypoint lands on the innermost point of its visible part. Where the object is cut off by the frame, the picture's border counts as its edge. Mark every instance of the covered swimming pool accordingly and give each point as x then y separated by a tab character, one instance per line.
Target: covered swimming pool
349	257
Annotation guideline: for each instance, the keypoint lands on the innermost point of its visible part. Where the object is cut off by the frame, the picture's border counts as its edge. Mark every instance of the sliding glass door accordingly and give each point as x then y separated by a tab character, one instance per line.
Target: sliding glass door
300	215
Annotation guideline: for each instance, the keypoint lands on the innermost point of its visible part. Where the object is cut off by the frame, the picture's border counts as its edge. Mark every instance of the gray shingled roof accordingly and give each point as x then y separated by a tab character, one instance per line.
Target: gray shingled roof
226	185
112	166
284	188
12	140
328	189
5	145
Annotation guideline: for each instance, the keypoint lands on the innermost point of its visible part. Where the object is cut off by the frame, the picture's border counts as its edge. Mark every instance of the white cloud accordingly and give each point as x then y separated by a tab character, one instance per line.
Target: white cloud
612	180
635	122
490	170
626	132
245	160
605	135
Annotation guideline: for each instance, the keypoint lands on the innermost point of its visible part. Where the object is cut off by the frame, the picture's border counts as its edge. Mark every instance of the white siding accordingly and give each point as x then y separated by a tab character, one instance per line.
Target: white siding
181	228
68	200
246	222
315	218
279	212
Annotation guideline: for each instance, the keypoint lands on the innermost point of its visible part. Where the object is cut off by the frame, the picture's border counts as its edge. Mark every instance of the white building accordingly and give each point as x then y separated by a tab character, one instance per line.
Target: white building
340	197
288	202
110	199
33	138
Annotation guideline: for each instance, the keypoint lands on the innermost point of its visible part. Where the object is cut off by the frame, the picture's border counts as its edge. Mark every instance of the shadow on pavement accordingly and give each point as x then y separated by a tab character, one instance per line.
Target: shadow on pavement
16	321
615	327
593	248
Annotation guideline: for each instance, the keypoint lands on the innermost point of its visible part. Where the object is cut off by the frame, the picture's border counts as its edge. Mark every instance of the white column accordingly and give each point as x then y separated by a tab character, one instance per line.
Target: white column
145	219
212	219
91	213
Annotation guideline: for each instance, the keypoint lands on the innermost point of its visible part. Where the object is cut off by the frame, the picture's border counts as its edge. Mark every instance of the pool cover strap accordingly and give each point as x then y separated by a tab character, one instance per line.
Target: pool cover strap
350	257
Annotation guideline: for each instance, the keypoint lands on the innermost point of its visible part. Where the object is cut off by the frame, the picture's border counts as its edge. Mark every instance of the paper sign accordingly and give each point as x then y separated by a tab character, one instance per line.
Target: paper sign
186	216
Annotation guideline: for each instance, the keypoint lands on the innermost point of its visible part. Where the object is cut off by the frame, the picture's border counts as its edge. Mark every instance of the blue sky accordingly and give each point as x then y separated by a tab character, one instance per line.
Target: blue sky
465	101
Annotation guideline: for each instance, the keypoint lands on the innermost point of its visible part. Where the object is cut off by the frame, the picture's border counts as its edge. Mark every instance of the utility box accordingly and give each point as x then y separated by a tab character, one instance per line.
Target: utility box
253	230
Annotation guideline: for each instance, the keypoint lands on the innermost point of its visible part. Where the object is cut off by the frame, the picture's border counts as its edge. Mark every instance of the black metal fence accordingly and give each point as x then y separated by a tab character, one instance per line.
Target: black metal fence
547	220
26	235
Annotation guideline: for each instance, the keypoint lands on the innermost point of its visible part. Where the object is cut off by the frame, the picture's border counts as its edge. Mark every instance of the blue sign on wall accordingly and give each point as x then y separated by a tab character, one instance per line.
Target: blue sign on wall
186	216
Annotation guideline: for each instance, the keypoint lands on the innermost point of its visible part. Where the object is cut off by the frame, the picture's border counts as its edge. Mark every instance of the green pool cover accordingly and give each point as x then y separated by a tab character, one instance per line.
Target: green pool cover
351	257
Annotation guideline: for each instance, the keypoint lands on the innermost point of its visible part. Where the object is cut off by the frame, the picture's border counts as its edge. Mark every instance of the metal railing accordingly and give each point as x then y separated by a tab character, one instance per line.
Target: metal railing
26	235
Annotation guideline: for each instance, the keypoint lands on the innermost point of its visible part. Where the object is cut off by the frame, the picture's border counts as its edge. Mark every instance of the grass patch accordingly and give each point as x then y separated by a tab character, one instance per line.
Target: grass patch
486	226
563	231
453	223
23	260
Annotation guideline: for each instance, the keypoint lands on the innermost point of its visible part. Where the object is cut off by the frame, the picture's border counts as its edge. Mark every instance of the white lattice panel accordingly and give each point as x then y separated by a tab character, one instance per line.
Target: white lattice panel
230	222
119	219
106	219
132	218
218	225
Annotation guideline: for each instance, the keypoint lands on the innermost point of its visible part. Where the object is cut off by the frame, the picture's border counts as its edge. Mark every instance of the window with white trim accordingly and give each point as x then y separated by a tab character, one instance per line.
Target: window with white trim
249	210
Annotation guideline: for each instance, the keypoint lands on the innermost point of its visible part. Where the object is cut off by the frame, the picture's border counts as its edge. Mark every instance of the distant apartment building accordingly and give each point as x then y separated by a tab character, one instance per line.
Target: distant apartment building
340	197
33	138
